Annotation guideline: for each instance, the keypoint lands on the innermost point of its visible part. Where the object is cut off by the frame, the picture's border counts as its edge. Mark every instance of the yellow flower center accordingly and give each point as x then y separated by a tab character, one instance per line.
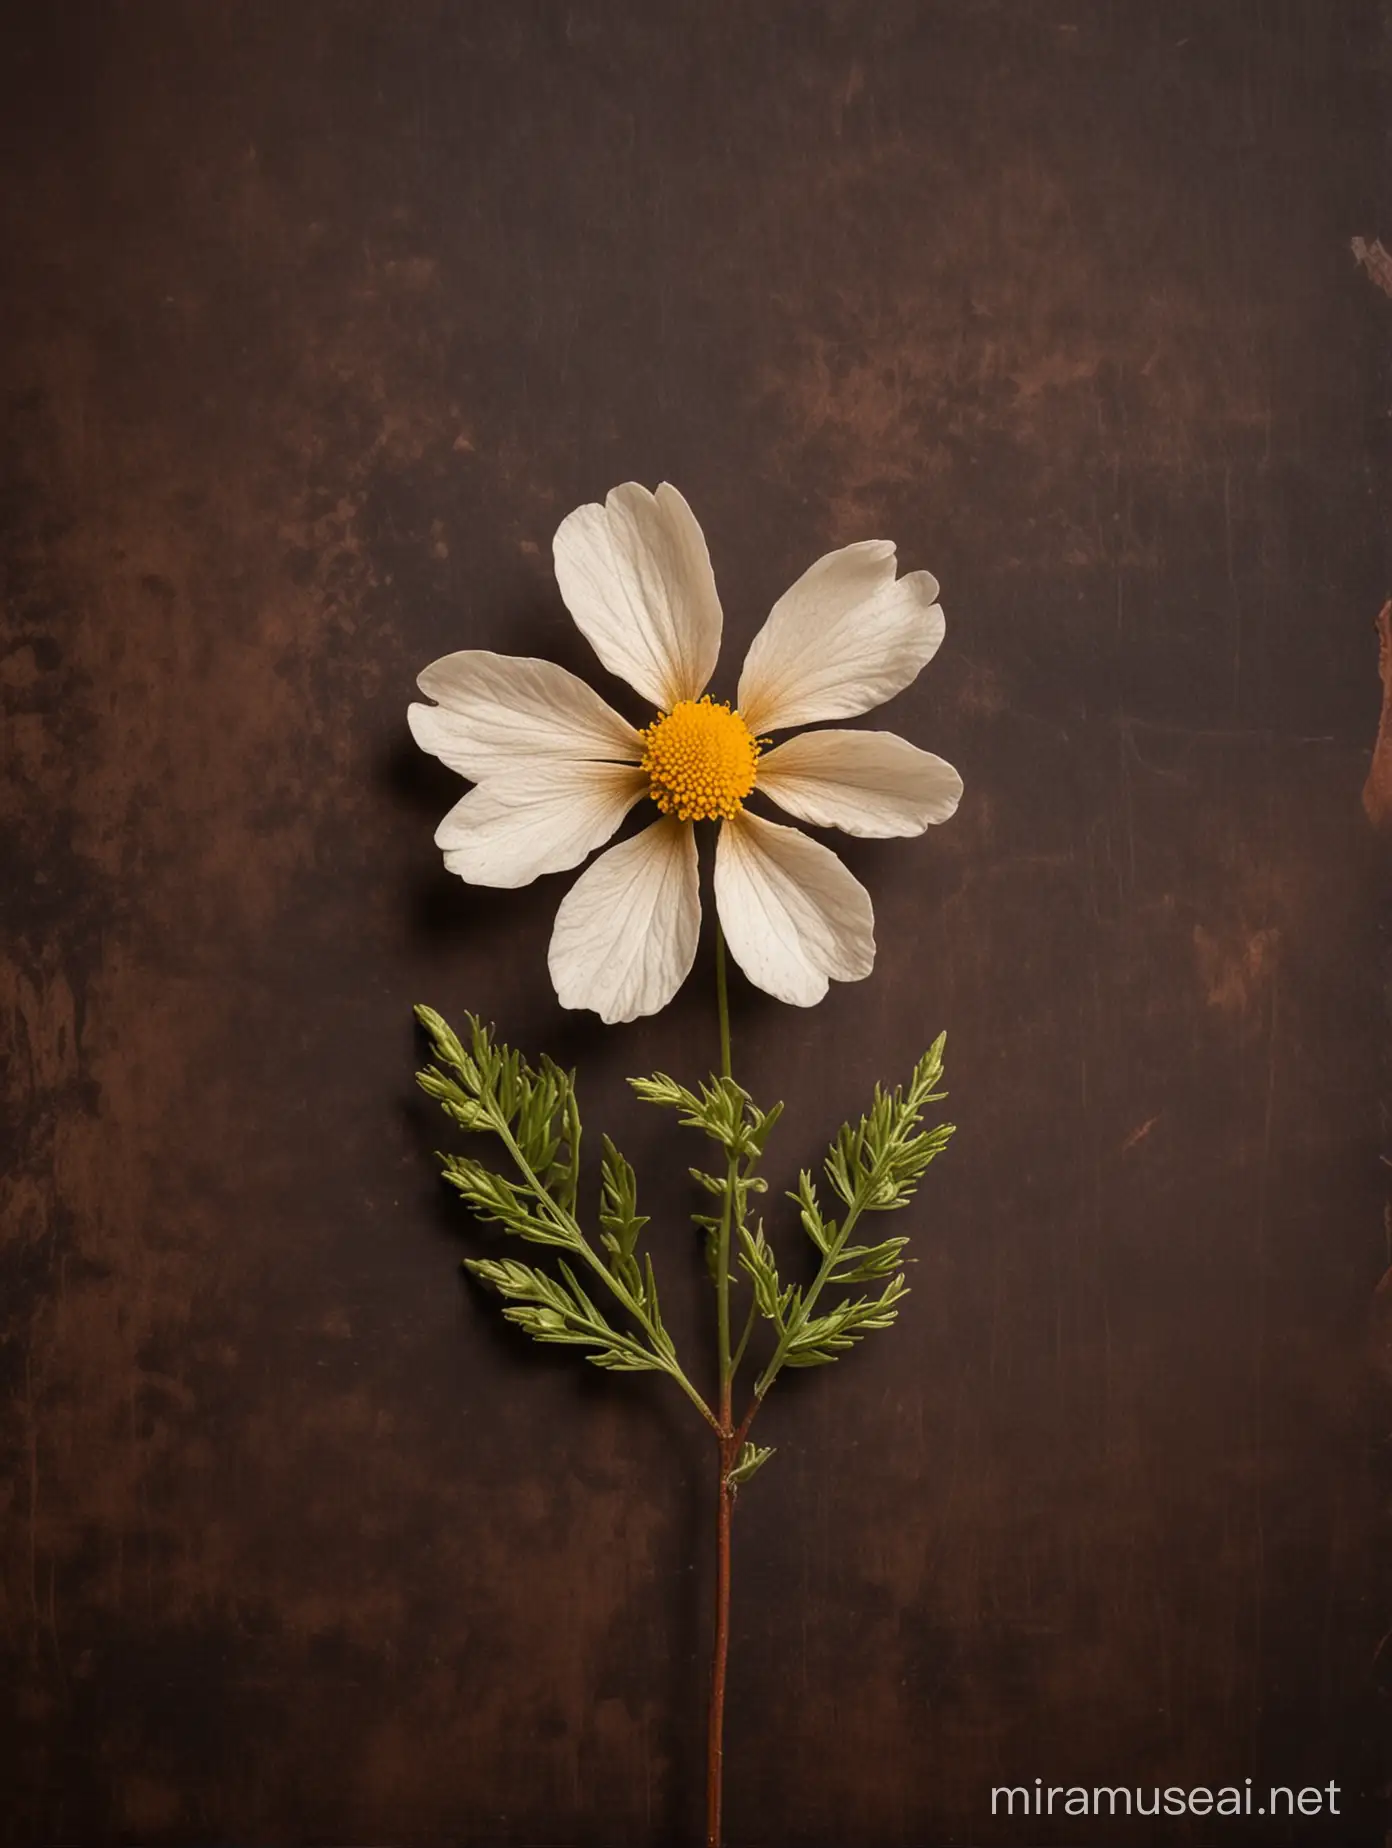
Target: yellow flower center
701	760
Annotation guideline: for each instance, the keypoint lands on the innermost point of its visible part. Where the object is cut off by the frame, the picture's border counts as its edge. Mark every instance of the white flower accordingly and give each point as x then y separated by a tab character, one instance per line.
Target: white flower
557	769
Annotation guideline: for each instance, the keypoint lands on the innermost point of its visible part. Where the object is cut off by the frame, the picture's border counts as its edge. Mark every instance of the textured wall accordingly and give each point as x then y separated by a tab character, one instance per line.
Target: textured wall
316	319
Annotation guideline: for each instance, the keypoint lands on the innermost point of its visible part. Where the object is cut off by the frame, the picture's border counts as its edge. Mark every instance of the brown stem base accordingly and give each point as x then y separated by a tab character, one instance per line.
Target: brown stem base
715	1744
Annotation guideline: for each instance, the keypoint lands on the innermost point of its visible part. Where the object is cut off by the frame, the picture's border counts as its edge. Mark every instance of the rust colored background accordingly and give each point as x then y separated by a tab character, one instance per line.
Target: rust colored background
316	320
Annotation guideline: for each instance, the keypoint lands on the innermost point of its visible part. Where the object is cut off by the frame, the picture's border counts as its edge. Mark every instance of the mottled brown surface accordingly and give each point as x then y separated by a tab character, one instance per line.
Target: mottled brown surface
316	319
1377	790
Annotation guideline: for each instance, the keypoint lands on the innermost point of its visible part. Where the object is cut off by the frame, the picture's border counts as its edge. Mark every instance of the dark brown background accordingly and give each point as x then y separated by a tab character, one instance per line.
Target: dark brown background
317	318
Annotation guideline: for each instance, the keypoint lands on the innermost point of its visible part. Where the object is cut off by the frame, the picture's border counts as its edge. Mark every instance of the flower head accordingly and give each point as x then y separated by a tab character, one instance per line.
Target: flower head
557	769
701	760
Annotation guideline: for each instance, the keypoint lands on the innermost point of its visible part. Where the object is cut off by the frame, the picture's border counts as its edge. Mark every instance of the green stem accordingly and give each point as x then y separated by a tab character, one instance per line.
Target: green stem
743	1343
729	1451
722	1249
722	1280
722	1000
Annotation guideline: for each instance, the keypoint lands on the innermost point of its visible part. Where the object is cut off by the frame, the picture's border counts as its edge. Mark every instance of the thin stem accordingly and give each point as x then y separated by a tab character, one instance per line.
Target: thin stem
722	1248
722	1000
722	1289
715	1737
749	1322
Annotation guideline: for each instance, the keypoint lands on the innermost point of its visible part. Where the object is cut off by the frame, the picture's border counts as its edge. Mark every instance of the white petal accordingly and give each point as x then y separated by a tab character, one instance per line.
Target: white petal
625	935
792	914
537	818
496	709
864	782
846	637
636	576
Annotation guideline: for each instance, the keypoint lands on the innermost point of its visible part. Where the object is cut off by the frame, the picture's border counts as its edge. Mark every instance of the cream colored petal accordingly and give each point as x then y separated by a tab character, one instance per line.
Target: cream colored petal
792	914
499	709
848	636
625	935
863	782
538	818
636	576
